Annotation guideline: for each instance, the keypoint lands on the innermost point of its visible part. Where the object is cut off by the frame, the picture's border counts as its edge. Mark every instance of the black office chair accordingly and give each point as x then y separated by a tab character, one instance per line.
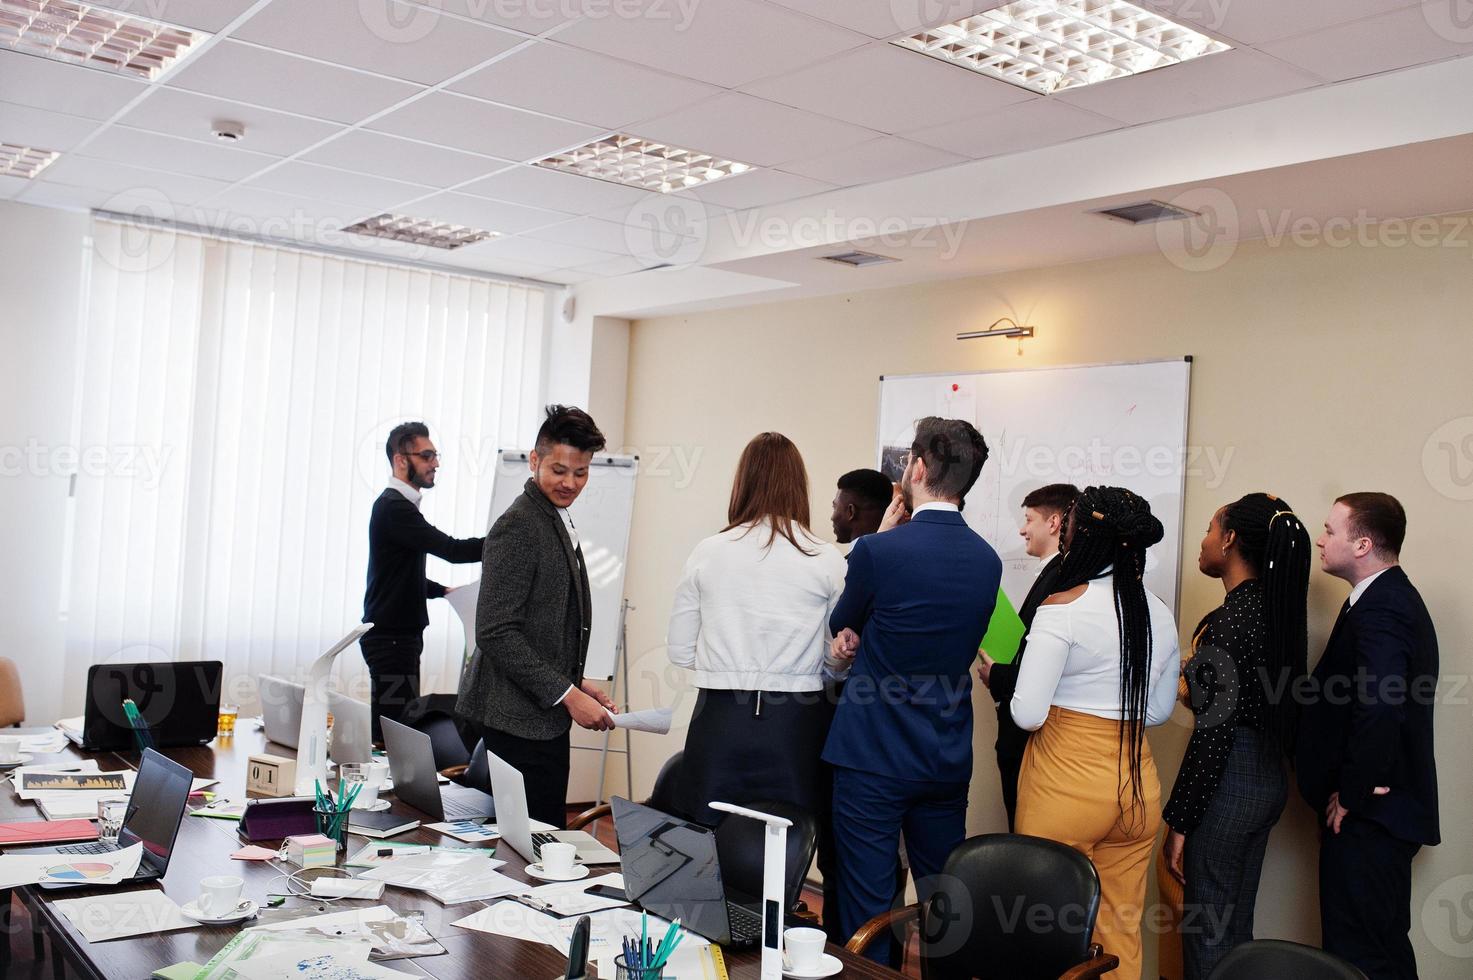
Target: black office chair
982	920
1274	959
741	844
428	714
477	773
662	796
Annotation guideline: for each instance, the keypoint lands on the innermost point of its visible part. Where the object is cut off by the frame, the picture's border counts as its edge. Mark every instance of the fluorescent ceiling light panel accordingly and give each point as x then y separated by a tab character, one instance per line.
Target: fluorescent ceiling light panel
81	34
419	231
642	163
24	162
1050	46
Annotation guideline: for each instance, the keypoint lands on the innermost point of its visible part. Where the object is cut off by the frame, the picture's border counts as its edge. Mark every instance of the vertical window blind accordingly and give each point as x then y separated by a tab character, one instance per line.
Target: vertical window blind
241	395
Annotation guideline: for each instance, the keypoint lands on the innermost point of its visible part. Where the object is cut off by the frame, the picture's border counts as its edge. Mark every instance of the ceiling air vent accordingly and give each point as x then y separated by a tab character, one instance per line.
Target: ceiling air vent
858	259
1147	212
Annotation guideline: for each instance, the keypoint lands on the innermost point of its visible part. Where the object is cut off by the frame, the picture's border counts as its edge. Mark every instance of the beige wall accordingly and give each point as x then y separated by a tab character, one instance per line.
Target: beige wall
1321	370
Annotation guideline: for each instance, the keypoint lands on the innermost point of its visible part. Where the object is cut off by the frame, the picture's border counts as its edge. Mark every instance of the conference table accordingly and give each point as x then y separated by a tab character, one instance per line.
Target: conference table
204	846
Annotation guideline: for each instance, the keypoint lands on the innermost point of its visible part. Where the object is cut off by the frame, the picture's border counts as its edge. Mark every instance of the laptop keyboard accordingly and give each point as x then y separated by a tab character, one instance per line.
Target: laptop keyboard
746	925
538	840
96	847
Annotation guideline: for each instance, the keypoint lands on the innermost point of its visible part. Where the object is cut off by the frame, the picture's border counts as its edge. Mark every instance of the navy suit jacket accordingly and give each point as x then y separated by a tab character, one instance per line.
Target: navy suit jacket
920	597
1369	722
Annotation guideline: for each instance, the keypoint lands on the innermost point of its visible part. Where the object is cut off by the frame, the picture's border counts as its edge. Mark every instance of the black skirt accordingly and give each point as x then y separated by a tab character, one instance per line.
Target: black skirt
748	746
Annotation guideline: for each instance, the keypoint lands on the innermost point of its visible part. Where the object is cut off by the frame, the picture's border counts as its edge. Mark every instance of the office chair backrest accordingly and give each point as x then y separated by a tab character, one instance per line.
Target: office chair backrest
478	774
662	796
741	843
12	704
445	740
1274	959
1009	906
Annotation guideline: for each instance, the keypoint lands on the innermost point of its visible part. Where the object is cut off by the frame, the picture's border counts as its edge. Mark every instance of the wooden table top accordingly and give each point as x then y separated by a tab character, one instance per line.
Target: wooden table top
204	847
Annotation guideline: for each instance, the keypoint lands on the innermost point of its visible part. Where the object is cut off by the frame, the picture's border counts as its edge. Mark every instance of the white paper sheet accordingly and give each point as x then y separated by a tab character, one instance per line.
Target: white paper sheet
448	877
609	927
52	741
93	869
120	914
314	966
653	720
31	793
572	898
466	830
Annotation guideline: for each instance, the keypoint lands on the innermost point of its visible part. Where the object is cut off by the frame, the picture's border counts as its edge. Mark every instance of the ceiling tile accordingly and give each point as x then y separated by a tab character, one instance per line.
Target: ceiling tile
116	178
729	43
756	188
751	130
1255	21
1401	39
606	236
888	89
401	159
539	252
202	15
68	196
192	116
890	17
232	70
881	159
581	85
156	152
330	184
22	125
400	40
11	186
252	211
478	212
540	187
1216	81
526	16
1026	126
622	265
469	124
72	89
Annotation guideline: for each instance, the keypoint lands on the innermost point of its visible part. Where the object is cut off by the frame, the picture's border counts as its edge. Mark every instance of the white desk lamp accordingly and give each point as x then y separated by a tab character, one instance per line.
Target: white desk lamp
774	884
312	736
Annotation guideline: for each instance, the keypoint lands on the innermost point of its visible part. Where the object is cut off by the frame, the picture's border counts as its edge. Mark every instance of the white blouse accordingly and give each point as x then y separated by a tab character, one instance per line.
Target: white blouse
750	617
1073	660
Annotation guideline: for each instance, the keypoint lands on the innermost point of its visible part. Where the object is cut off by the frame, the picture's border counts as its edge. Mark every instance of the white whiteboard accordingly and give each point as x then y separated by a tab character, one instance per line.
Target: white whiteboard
602	514
1113	424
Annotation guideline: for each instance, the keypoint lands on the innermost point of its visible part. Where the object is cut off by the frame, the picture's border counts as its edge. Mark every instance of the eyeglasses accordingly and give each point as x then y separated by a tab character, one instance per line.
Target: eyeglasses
428	455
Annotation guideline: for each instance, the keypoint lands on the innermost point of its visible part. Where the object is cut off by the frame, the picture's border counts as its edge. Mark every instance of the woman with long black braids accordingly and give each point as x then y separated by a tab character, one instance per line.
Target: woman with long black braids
1102	666
1247	655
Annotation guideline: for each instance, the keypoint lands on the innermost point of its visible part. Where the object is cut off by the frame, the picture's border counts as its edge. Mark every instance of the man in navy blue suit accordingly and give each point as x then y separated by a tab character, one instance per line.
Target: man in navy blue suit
1364	754
916	603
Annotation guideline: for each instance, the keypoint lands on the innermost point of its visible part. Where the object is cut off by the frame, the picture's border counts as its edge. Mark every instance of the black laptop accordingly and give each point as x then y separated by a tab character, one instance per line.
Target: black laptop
155	810
670	869
179	701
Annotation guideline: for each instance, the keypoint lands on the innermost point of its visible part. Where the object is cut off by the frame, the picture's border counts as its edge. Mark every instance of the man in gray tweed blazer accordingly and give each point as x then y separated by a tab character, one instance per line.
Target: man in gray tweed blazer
524	688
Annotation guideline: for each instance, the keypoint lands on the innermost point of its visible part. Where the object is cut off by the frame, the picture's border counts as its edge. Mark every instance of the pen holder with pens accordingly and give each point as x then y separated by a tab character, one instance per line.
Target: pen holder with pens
332	824
624	971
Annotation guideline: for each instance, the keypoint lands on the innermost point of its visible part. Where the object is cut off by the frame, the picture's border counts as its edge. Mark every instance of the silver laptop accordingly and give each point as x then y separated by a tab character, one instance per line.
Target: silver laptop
281	709
352	740
515	826
416	781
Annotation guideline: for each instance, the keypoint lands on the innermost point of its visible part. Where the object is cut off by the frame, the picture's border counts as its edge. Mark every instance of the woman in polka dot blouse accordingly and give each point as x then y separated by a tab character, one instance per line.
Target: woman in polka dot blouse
1232	786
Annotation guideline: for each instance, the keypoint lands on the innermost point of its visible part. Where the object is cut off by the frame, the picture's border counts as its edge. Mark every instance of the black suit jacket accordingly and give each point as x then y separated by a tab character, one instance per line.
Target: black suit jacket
532	623
1368	721
1012	740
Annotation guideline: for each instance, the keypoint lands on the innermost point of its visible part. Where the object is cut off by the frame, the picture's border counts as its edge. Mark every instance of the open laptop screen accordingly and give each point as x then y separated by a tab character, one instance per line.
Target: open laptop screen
179	701
156	807
670	868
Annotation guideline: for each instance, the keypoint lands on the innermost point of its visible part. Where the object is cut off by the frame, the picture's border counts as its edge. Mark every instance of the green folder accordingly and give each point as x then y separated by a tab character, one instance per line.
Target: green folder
1004	632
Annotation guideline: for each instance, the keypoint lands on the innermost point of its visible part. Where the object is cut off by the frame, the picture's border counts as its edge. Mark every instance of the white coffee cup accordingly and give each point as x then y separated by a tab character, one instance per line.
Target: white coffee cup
804	948
219	895
558	858
378	773
9	748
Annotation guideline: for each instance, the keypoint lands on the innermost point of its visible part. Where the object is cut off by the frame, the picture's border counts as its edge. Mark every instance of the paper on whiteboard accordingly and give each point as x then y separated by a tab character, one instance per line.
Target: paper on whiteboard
653	720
